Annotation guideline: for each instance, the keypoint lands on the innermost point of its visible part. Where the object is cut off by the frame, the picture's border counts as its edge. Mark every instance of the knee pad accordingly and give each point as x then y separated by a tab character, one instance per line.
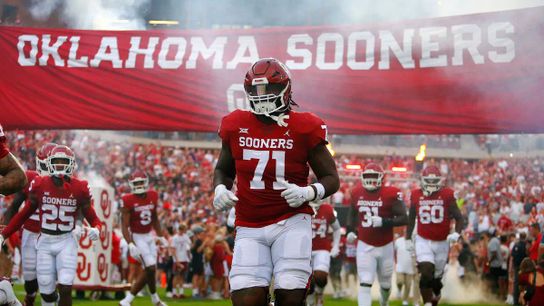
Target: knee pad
51	297
47	284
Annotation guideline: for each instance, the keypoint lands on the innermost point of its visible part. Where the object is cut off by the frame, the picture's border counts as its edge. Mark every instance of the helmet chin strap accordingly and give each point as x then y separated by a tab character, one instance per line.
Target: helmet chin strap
280	119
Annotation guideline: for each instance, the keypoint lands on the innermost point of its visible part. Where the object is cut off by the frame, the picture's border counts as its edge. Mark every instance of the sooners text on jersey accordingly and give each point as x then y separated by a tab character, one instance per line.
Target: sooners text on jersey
265	154
377	203
321	221
3	148
33	223
433	219
141	210
59	207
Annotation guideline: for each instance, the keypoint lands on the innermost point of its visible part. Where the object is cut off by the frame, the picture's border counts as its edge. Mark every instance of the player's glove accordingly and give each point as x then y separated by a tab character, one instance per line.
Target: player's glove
133	250
2	240
351	237
409	245
335	251
162	240
76	233
376	221
453	237
296	195
223	199
93	234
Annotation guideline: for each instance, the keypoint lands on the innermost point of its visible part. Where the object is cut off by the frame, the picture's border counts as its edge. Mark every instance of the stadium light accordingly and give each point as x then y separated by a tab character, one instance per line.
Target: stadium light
421	154
399	169
163	22
353	167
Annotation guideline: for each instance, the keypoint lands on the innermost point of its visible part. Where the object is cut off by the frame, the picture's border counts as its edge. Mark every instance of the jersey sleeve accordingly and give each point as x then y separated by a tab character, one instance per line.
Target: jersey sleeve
125	202
318	133
395	194
227	126
84	190
3	147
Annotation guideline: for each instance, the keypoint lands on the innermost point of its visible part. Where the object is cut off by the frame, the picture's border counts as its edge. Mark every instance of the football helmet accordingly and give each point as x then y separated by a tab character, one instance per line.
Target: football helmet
138	182
268	88
41	158
431	180
61	161
372	177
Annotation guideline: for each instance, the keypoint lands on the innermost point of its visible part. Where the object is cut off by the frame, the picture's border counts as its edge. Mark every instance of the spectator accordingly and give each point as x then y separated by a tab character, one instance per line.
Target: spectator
503	279
536	236
519	252
197	261
467	262
531	279
405	269
495	260
181	248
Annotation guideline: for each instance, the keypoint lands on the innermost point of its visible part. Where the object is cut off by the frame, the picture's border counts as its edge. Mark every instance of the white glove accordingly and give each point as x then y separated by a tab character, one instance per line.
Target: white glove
162	241
76	233
223	199
453	237
376	221
351	237
94	234
2	240
409	245
296	195
133	250
335	251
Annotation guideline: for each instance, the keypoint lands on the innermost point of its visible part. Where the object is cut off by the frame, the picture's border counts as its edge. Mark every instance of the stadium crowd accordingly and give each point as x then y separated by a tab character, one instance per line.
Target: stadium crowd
502	202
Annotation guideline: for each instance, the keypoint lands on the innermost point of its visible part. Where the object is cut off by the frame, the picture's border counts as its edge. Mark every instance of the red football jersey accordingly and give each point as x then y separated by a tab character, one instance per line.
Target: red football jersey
33	223
265	154
377	203
3	148
59	207
433	218
321	221
142	210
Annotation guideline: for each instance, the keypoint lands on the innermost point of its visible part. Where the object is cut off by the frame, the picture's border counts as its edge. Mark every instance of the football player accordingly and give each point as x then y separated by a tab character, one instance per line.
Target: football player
323	248
60	198
139	213
12	175
268	150
434	206
31	227
376	209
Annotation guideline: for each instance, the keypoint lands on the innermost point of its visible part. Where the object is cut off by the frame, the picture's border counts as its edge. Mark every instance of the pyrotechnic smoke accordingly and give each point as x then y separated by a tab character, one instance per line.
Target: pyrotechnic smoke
95	14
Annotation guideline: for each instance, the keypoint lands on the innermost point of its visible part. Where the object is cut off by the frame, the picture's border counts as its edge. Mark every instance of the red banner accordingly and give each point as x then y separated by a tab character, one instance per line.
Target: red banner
468	74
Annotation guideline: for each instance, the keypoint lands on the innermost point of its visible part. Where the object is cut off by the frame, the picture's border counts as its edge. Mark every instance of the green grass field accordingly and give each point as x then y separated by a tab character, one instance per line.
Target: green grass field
145	301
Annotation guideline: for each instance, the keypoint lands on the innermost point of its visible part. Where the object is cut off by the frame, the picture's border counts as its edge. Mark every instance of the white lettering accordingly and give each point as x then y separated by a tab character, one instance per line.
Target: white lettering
73	61
428	46
135	50
506	43
404	55
246	52
23	59
180	43
108	51
293	51
322	40
52	50
216	49
369	40
469	44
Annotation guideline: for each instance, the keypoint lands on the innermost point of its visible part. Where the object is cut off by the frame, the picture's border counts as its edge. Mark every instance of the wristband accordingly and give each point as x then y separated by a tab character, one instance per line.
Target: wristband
319	190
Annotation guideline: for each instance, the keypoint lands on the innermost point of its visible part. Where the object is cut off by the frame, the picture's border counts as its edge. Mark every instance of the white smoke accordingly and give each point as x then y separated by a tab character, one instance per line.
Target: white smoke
95	14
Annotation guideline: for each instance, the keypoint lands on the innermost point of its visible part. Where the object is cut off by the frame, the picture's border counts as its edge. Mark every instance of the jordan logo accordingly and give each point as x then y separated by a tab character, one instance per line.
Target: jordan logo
287	134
